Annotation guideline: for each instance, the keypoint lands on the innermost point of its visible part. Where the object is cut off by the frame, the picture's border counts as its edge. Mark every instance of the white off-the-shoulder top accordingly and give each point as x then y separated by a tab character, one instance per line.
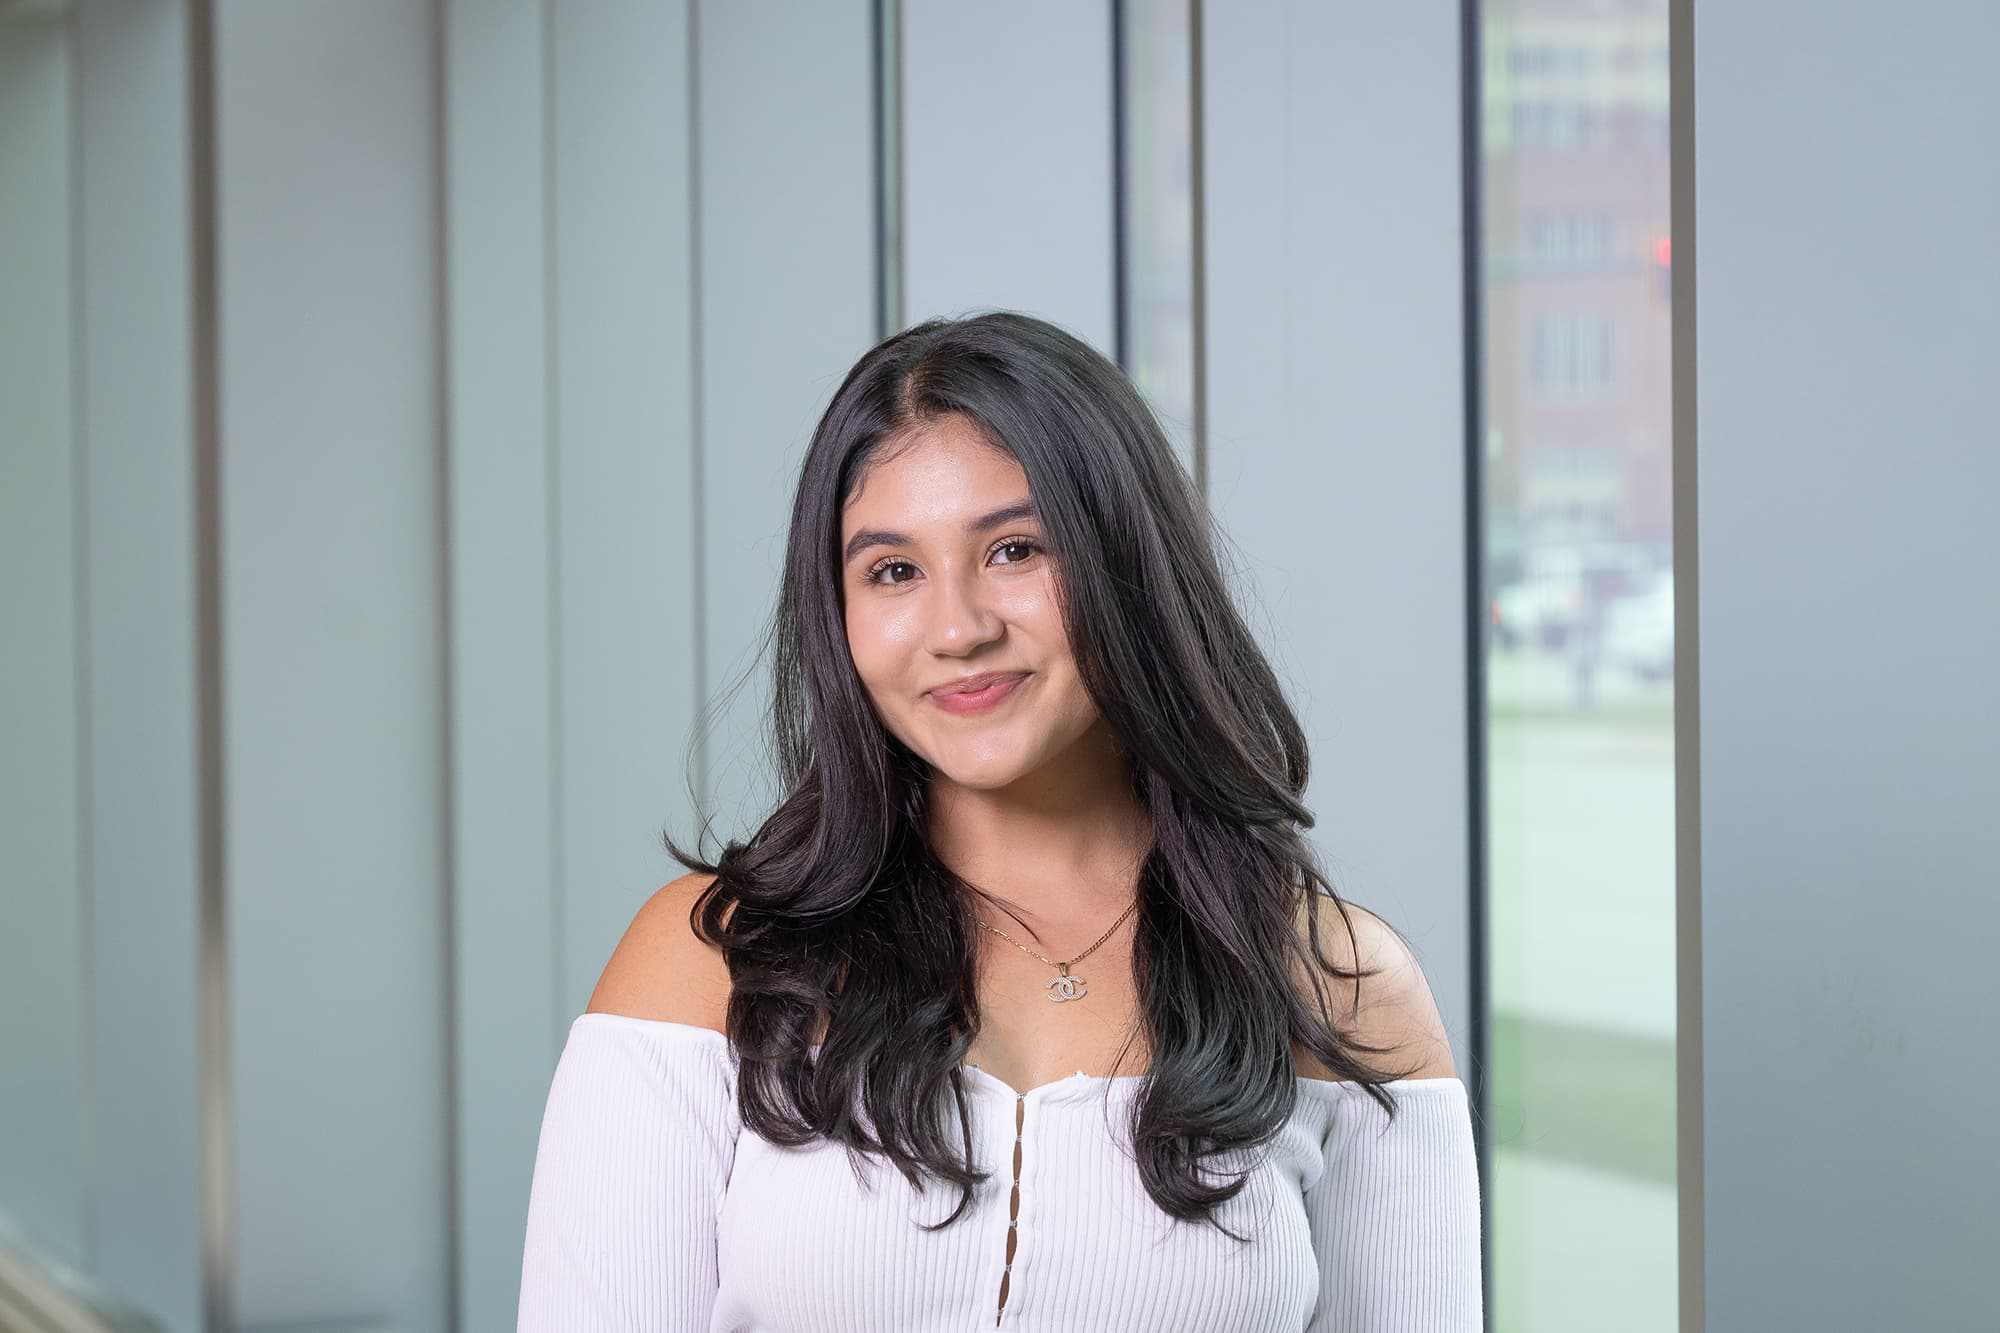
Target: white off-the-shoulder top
651	1209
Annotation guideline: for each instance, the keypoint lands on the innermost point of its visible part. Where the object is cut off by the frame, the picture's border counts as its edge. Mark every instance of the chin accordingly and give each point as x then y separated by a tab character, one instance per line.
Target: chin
980	777
980	772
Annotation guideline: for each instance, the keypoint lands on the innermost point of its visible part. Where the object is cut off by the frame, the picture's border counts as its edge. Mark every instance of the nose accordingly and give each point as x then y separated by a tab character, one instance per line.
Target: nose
959	618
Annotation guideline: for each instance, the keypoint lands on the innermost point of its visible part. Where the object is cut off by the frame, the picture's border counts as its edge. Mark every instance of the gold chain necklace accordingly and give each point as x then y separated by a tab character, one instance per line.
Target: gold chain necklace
1064	986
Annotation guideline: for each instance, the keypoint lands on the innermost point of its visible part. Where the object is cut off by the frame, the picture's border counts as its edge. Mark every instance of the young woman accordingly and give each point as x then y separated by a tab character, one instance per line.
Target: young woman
1028	1007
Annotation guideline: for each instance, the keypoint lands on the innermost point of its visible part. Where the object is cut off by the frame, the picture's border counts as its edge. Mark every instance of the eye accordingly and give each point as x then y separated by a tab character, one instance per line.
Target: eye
878	572
1022	543
874	575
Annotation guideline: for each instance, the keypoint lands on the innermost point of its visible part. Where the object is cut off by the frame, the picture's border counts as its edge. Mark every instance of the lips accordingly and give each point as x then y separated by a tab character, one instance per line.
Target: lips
971	684
987	689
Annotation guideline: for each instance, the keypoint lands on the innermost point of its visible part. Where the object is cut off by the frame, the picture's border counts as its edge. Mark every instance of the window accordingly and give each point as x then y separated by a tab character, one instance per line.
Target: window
1570	355
1578	710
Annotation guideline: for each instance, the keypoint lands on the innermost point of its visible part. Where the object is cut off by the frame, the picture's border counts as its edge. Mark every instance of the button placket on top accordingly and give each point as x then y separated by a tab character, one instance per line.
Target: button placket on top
1033	1106
1032	1110
1014	1172
1008	1108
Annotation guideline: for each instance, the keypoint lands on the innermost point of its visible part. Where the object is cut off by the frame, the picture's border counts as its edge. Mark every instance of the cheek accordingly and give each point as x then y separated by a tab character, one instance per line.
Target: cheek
875	640
1033	610
862	645
1032	605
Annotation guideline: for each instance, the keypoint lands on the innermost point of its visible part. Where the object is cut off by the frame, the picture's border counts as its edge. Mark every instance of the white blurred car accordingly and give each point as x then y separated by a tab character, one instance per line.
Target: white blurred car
1638	632
1541	611
1554	598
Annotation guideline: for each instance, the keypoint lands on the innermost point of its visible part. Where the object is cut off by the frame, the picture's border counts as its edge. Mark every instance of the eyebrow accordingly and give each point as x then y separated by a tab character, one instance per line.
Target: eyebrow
868	537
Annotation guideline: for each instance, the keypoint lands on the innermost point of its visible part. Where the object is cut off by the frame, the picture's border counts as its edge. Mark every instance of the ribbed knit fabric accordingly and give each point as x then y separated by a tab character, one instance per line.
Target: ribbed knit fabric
650	1209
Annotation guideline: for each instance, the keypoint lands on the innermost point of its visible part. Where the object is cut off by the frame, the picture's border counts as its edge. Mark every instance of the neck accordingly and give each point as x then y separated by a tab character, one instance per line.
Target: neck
1057	849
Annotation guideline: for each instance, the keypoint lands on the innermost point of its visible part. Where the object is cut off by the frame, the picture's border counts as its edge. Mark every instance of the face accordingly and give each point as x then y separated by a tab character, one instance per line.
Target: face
945	578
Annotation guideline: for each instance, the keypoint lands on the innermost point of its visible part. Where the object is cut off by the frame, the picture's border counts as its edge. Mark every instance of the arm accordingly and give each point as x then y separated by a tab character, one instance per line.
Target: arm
636	1145
1395	1213
637	1141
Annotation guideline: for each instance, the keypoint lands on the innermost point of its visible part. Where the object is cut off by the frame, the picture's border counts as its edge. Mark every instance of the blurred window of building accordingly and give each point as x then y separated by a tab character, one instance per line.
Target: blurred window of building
1578	507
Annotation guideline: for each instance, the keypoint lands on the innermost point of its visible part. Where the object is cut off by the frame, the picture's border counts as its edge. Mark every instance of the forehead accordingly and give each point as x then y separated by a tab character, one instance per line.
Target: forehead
940	472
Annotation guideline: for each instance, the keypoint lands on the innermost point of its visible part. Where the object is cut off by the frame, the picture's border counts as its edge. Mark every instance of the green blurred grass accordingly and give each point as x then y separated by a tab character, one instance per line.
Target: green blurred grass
1583	1095
1634	714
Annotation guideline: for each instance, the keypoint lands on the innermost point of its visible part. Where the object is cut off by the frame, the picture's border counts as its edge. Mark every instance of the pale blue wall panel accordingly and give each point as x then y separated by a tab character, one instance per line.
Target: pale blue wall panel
332	618
1847	326
1007	151
1336	442
788	270
623	497
43	1145
507	1005
137	435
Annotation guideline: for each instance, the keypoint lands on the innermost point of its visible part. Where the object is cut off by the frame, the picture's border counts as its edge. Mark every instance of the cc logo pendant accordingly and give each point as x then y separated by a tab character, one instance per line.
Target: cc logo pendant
1065	987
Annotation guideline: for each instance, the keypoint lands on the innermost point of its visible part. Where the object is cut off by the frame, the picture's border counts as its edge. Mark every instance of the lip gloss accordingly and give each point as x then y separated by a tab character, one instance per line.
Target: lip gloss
968	702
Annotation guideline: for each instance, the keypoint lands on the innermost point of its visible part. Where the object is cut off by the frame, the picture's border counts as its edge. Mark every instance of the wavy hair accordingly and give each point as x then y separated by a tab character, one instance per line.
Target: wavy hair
851	946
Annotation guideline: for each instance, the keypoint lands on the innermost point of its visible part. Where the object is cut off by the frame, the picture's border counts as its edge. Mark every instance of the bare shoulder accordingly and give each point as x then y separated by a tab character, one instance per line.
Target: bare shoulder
1391	1007
661	969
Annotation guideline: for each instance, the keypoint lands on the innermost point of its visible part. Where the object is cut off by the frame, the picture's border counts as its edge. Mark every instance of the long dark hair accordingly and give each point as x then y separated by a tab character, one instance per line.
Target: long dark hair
837	917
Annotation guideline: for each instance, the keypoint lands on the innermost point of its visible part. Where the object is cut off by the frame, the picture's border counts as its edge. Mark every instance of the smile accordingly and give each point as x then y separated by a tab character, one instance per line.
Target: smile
964	702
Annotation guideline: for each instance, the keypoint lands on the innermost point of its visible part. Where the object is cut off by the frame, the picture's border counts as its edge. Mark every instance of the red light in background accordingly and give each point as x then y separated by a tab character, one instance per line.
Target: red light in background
1663	250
